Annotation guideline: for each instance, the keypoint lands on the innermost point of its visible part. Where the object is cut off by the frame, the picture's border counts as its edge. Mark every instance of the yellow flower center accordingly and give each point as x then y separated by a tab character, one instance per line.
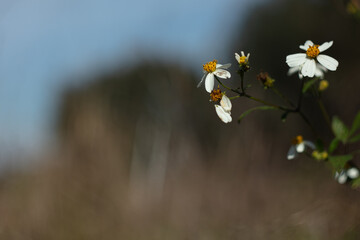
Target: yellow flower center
313	51
216	95
210	66
243	60
297	140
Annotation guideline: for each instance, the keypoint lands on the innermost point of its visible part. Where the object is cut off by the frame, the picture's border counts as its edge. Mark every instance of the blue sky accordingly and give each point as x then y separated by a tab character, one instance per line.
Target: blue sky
45	42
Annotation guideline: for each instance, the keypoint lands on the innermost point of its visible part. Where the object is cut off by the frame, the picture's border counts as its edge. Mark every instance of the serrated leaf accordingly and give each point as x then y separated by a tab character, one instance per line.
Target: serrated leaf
333	145
308	84
254	109
356	124
354	139
338	162
339	129
356	183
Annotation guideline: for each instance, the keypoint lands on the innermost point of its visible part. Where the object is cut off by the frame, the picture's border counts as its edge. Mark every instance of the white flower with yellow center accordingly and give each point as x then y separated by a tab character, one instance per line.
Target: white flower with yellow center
298	146
212	69
242	59
344	175
306	62
224	109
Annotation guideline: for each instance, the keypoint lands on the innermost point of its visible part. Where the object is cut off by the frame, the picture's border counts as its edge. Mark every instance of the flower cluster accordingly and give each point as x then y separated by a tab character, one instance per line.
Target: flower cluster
212	70
311	67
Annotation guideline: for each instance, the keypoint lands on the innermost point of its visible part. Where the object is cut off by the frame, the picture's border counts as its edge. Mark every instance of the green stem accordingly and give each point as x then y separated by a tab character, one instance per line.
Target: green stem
307	121
234	97
287	100
324	112
242	81
228	88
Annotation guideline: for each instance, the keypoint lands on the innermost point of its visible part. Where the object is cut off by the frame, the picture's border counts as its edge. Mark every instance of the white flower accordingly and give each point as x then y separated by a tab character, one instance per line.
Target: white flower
224	109
319	71
343	175
212	69
298	146
242	59
306	61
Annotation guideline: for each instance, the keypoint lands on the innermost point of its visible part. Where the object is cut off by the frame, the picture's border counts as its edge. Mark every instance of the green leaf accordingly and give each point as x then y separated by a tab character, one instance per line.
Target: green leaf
254	109
356	183
338	162
333	145
308	84
354	139
356	124
339	129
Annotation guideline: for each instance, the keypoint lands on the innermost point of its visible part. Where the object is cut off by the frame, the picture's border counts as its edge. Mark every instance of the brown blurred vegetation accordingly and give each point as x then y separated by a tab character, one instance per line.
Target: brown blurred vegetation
142	155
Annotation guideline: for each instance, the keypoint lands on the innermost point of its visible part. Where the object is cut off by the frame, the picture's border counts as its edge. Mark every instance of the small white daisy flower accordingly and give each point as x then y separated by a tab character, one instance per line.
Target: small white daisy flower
306	61
212	69
242	59
343	175
298	146
224	109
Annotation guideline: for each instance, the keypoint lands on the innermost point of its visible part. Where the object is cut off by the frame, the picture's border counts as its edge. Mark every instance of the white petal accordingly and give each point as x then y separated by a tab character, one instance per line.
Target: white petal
226	103
341	177
296	59
300	75
321	67
237	57
223	66
291	153
308	70
320	70
325	46
242	53
209	82
223	115
309	144
293	70
328	62
306	45
221	73
319	73
353	172
300	147
202	79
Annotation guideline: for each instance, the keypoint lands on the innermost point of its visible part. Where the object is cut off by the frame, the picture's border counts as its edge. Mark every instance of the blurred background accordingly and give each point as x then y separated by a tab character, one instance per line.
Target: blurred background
104	135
